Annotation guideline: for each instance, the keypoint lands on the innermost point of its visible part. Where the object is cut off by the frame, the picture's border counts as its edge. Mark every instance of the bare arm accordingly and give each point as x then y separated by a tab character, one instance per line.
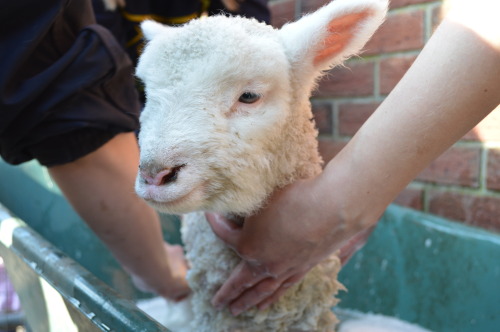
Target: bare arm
453	84
100	186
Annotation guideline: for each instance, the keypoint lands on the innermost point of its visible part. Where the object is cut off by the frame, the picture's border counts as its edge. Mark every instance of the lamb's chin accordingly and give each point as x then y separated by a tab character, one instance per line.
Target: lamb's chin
189	201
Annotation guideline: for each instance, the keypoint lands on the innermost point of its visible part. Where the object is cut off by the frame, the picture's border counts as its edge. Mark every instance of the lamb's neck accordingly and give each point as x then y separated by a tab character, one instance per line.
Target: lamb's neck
300	146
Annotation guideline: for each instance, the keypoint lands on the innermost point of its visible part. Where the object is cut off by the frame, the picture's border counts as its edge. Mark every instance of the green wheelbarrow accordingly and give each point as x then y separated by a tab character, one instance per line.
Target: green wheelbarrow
436	273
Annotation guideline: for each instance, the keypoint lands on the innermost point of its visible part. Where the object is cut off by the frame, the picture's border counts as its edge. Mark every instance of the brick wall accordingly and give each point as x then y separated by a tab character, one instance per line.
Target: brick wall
463	183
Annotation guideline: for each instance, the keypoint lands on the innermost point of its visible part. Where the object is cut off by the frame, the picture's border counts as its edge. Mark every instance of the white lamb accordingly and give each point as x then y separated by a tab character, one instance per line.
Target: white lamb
227	121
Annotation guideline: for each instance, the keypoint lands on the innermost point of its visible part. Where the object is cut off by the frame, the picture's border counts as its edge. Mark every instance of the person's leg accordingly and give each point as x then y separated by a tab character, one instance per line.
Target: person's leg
100	186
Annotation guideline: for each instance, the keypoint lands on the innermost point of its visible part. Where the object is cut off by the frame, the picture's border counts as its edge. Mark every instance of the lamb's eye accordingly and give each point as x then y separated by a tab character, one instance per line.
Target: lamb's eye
249	98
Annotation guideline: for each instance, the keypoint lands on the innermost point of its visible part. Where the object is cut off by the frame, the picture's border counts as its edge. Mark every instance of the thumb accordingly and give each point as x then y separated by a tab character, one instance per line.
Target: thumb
225	229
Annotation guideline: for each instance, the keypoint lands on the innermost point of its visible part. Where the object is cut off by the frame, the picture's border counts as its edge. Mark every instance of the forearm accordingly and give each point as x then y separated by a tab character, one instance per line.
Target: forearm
453	84
100	188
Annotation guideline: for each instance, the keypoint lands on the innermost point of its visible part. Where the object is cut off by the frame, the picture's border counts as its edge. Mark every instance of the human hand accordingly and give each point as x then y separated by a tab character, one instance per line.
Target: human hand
278	246
224	296
354	244
176	288
179	289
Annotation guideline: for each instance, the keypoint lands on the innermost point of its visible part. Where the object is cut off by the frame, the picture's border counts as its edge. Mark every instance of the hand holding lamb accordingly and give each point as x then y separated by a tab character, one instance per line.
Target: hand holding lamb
277	255
227	122
177	288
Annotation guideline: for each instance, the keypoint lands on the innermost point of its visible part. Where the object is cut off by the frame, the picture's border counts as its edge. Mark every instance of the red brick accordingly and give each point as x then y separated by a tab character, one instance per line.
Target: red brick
403	3
493	170
311	5
356	79
412	198
329	149
487	130
352	116
400	32
322	112
437	17
485	212
282	12
457	166
447	204
481	211
392	70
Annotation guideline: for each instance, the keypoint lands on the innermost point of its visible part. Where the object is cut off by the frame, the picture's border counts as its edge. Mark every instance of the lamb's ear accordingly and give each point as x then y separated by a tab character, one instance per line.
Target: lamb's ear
151	29
336	31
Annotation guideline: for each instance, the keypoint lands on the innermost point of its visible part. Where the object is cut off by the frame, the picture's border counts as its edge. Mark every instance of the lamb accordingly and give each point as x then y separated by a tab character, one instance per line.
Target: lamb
227	121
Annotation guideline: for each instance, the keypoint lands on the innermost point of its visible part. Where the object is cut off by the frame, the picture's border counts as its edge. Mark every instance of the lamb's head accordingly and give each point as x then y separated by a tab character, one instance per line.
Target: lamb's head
227	116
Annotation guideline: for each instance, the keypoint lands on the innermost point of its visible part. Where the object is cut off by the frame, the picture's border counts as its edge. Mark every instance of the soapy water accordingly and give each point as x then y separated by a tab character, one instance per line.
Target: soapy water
172	315
356	321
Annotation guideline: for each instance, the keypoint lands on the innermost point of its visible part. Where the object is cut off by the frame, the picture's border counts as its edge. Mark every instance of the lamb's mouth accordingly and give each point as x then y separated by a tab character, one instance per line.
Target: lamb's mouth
177	202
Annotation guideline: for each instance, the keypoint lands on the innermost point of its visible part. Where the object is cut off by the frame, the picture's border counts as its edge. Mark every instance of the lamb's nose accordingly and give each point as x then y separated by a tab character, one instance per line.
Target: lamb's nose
165	176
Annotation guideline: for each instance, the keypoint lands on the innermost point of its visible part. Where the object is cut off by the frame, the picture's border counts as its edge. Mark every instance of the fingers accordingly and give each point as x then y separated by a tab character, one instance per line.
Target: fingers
179	288
176	260
258	290
241	279
264	294
254	295
174	249
280	291
182	297
224	229
266	303
178	294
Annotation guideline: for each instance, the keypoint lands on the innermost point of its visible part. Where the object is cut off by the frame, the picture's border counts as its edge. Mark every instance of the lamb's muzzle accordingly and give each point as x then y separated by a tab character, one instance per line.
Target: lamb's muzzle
165	176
